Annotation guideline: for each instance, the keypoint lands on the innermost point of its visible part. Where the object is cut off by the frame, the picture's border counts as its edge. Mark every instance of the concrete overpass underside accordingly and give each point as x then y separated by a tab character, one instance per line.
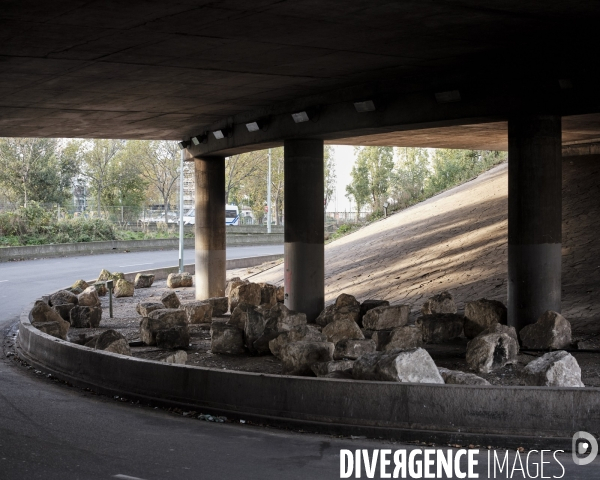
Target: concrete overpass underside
233	76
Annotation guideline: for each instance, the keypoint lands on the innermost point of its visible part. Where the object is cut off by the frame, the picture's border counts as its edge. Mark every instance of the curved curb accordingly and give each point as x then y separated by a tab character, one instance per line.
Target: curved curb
483	415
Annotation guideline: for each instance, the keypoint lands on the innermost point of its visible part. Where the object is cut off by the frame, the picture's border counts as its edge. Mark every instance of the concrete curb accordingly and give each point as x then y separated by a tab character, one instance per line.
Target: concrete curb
532	417
93	248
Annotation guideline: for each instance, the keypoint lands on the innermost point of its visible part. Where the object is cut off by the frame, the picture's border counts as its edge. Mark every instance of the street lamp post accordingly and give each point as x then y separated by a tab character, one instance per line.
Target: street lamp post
181	212
269	195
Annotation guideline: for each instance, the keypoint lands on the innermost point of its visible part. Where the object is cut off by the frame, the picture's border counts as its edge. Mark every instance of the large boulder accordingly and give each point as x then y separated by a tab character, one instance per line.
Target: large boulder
298	357
385	318
370	304
101	289
491	351
456	377
47	320
144	308
62	297
345	329
173	338
411	366
104	276
144	280
352	349
326	316
116	276
225	338
124	288
552	331
554	369
161	319
403	338
254	327
322	369
268	294
170	300
482	314
110	341
64	310
81	284
180	280
305	333
280	294
441	303
346	307
198	312
499	328
249	293
89	297
239	315
179	357
233	283
85	317
440	327
286	318
220	305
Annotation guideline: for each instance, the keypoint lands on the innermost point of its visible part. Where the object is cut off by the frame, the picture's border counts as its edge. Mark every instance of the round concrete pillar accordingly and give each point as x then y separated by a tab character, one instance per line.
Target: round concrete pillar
304	249
210	228
534	217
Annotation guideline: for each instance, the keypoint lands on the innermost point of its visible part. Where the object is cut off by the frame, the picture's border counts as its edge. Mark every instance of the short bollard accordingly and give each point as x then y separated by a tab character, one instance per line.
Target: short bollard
109	285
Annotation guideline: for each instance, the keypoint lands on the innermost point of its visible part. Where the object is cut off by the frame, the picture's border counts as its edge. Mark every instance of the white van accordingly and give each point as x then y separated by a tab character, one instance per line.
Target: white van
232	216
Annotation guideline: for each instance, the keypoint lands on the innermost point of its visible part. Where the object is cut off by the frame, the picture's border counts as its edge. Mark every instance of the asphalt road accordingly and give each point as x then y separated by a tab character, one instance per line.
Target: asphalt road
49	430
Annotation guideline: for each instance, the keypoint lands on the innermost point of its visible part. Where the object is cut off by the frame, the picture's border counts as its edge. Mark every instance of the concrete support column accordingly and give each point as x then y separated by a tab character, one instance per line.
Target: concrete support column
304	227
210	228
534	217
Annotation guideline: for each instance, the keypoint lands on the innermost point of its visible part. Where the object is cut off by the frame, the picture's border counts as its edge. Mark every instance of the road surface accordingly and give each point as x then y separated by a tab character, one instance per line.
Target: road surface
49	430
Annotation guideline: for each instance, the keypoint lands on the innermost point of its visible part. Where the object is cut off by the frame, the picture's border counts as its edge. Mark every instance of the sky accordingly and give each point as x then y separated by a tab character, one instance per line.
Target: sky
344	160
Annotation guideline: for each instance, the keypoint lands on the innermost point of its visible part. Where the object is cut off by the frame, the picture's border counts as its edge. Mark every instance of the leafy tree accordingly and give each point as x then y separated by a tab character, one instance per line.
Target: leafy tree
36	169
159	163
330	176
97	159
371	176
410	175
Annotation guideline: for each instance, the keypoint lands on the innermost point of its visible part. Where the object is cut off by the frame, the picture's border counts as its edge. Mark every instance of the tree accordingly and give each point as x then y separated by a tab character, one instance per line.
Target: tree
371	176
159	164
238	169
410	175
36	169
98	156
329	172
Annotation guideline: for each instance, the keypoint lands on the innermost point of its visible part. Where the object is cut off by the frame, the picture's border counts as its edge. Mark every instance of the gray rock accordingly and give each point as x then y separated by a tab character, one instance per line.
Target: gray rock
440	327
482	314
345	329
326	316
403	338
268	294
104	276
179	357
410	366
552	331
254	327
180	280
249	293
486	353
456	377
101	289
81	284
89	297
239	315
345	307
233	283
370	305
198	312
385	318
85	317
161	319
298	357
286	318
220	305
144	308
307	333
170	300
64	310
322	369
173	338
110	341
226	338
280	294
441	303
62	297
352	349
124	288
554	369
499	328
144	280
